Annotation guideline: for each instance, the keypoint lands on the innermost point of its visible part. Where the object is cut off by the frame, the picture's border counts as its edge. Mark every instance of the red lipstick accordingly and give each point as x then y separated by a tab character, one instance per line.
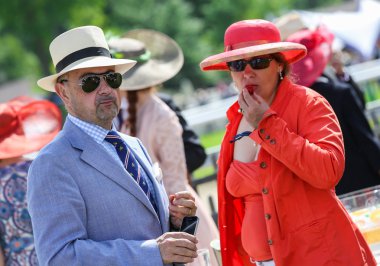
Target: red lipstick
250	88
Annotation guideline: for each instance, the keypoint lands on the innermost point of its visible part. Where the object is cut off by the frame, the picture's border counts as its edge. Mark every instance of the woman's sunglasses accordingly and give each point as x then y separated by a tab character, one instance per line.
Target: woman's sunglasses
91	82
255	63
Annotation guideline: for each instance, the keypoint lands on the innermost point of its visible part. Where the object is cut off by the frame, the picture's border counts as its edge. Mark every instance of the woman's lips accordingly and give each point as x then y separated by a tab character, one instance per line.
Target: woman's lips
250	88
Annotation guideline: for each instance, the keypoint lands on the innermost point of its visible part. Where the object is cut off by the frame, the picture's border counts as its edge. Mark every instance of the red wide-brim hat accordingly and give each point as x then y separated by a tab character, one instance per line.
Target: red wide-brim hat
251	38
319	45
26	125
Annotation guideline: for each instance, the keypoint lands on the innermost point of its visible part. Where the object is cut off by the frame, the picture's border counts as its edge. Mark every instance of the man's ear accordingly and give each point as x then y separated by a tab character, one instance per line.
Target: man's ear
62	93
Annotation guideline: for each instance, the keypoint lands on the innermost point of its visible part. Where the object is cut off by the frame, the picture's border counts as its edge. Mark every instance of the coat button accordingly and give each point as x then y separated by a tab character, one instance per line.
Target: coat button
267	137
272	141
262	131
270	242
267	216
263	165
265	191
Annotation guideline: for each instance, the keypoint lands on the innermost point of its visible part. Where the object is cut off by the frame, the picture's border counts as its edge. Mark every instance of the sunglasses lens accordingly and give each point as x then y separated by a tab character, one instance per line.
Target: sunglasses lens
90	83
255	63
260	63
114	80
237	66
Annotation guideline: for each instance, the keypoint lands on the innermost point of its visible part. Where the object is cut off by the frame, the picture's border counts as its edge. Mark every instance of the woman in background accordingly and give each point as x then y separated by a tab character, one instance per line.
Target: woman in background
26	126
147	117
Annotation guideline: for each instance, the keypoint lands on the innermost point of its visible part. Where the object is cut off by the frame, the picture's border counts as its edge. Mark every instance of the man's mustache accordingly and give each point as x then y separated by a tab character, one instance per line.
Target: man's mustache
102	99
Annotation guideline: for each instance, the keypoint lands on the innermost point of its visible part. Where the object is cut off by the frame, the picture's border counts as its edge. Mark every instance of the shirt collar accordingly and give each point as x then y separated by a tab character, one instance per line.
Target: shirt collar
98	133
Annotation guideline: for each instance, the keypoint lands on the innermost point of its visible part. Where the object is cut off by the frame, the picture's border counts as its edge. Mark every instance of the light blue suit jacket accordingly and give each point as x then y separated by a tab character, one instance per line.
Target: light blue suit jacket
87	210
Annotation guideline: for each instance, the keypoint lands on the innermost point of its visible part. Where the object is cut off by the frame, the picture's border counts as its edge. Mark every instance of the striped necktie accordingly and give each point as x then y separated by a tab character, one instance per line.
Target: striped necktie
131	164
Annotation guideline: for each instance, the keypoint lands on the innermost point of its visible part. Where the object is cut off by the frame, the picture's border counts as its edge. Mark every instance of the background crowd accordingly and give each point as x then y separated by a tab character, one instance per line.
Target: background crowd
159	84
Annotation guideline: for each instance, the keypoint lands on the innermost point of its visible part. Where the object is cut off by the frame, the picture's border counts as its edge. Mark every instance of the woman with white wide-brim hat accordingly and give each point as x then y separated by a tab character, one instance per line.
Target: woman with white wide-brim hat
159	58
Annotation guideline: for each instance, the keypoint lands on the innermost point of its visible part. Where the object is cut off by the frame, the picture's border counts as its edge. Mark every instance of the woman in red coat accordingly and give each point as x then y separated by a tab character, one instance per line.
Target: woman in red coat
280	159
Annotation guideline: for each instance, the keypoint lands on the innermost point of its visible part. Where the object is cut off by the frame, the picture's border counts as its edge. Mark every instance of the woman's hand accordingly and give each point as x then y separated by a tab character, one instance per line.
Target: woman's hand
181	204
252	107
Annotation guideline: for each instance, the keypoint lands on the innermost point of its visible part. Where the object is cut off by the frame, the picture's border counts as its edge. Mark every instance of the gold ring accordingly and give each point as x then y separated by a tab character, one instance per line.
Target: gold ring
189	212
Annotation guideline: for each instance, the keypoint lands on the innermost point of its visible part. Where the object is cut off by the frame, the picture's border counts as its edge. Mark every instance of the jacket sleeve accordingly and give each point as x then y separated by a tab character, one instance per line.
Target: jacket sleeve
59	219
313	148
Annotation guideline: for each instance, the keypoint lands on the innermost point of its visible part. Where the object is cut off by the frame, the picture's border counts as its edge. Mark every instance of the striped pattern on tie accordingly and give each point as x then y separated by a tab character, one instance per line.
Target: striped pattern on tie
131	164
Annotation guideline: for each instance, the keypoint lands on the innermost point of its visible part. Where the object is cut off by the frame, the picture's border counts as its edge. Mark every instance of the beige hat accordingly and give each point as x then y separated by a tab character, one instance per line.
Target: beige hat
289	24
78	48
158	58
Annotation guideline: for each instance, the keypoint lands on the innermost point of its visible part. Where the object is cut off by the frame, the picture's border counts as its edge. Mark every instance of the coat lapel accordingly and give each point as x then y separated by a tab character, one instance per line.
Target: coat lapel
96	156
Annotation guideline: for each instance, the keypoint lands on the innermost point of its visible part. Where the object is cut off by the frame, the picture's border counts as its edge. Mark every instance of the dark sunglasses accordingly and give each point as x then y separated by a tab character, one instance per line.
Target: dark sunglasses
255	63
91	82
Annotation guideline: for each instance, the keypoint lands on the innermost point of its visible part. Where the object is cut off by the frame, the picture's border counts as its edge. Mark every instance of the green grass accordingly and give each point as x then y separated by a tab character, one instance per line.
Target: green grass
203	172
208	140
212	139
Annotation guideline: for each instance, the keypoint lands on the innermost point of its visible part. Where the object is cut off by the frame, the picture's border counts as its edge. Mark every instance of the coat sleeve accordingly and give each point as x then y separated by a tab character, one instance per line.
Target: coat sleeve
59	219
313	148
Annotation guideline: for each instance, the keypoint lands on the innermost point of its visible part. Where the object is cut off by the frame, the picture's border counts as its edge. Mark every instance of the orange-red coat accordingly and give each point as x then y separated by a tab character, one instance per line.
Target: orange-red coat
301	161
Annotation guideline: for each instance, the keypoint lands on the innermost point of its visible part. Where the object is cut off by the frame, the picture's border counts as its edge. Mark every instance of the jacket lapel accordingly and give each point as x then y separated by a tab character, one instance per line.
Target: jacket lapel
96	156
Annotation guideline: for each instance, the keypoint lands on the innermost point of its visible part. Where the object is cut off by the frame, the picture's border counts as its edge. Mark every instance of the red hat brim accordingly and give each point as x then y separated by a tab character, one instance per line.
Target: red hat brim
27	125
291	51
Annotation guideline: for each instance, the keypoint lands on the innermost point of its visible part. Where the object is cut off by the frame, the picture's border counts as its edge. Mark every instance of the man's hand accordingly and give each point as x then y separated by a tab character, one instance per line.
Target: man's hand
177	247
181	204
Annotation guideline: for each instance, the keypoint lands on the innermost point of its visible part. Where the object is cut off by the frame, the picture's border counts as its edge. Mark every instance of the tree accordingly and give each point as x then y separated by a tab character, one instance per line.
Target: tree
197	25
172	17
38	21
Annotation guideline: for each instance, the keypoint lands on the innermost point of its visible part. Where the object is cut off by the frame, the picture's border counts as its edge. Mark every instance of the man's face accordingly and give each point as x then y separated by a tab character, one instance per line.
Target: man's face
98	107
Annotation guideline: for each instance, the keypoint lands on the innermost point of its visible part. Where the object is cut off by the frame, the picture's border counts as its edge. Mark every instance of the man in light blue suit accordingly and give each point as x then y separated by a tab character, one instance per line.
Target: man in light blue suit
86	207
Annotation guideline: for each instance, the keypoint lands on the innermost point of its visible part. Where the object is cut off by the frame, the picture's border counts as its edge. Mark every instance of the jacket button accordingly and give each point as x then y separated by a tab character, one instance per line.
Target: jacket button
267	137
270	242
262	131
263	165
267	216
265	191
272	141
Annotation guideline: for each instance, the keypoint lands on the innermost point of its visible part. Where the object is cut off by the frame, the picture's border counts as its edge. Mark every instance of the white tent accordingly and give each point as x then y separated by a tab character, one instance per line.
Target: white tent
358	30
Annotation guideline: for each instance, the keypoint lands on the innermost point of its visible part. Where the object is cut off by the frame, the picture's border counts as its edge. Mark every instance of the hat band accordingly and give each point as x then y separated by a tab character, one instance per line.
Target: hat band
80	54
244	44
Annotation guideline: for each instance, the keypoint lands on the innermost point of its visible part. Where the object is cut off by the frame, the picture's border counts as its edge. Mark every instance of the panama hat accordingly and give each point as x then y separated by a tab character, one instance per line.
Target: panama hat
250	38
158	57
78	48
319	45
26	125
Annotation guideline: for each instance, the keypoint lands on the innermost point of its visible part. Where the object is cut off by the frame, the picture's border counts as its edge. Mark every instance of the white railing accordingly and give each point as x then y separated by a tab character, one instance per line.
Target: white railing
214	111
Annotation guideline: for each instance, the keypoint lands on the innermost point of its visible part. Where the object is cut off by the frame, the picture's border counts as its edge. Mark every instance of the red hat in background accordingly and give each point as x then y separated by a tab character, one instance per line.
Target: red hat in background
26	125
319	51
250	38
